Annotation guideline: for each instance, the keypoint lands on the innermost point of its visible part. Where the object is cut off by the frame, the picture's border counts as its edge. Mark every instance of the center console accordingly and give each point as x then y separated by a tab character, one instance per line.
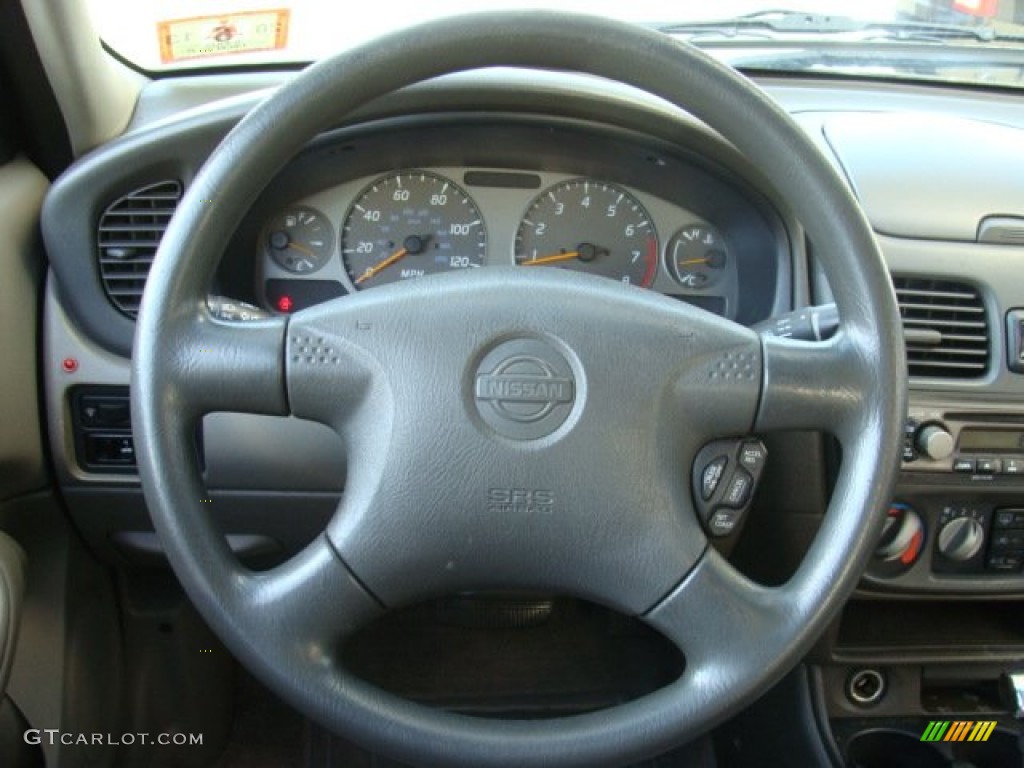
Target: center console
920	668
957	522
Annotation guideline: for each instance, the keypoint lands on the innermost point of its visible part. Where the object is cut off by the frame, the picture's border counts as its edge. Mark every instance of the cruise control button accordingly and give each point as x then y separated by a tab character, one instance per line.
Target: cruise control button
712	476
723	521
737	494
965	466
753	455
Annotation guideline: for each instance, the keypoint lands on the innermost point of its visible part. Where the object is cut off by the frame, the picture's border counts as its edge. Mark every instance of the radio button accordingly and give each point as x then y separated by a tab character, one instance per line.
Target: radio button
988	466
1013	466
964	466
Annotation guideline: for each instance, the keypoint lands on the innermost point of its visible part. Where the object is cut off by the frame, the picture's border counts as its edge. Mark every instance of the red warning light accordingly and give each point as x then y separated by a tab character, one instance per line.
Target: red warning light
69	364
285	304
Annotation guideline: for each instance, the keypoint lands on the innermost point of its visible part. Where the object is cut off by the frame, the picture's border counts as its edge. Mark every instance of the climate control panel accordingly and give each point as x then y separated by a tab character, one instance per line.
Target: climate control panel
957	527
952	543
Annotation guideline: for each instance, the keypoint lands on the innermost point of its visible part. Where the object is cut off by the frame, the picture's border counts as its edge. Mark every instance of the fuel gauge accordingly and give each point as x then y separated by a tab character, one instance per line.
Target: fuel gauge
697	256
300	239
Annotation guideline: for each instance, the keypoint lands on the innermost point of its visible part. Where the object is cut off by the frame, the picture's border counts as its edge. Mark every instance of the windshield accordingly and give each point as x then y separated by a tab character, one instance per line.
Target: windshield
967	41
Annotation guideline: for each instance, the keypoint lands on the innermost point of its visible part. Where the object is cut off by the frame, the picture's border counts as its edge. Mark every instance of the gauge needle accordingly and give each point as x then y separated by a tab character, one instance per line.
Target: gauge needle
552	259
583	252
301	249
413	244
714	259
398	255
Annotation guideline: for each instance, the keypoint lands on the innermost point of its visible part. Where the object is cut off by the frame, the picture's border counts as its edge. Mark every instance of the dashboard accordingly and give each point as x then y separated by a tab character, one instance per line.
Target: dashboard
402	197
544	170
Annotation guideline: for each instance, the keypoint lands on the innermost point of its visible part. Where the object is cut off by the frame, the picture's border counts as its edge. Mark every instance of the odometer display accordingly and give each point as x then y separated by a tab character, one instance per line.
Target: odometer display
411	224
589	226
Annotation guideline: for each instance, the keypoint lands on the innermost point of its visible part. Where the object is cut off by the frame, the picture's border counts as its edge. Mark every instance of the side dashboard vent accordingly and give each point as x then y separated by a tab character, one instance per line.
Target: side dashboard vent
128	235
945	326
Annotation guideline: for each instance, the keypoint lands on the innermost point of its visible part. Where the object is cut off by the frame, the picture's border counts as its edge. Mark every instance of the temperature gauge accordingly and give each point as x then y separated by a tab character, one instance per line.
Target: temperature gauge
300	239
697	256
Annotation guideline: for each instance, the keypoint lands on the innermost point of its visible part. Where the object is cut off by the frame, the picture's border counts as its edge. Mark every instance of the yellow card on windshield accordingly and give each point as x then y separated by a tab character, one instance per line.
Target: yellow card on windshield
224	35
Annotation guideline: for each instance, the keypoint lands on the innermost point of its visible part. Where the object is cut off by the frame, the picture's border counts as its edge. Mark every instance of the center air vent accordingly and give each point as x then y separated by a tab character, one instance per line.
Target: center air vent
945	326
128	235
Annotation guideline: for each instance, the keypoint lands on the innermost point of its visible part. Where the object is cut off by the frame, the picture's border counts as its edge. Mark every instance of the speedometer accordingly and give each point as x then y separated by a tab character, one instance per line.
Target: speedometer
410	224
589	226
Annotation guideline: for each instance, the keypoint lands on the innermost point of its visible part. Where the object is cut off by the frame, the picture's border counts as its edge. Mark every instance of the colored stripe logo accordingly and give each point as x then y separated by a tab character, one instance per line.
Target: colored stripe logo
958	730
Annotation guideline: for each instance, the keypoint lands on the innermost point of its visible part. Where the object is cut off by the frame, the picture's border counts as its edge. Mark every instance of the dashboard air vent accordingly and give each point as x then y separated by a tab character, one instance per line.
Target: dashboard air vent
945	326
128	235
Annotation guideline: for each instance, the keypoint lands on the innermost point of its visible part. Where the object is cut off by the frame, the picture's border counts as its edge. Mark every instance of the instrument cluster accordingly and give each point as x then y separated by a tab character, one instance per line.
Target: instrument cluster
413	222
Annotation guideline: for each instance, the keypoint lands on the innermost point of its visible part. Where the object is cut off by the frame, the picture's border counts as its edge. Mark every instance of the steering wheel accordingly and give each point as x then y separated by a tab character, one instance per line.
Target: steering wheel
625	388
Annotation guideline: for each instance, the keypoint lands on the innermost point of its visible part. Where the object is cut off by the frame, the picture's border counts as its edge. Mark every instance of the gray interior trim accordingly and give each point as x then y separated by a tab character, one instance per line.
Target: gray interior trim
929	177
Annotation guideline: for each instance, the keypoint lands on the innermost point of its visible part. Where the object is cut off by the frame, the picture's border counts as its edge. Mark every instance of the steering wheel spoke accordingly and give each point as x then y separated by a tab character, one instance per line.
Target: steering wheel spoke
218	366
713	616
813	385
718	389
310	603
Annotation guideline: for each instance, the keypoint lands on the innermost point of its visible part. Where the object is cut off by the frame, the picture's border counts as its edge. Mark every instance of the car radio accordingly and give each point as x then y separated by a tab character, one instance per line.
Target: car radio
982	445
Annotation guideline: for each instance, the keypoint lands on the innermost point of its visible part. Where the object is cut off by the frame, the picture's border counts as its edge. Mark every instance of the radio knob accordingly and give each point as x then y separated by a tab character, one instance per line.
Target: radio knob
961	539
935	442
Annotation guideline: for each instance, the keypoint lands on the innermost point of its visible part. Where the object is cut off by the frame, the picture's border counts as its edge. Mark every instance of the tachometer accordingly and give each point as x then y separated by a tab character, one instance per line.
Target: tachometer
590	226
410	224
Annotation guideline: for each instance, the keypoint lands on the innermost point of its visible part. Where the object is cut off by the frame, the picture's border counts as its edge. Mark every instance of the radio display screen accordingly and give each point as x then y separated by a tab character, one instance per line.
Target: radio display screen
992	440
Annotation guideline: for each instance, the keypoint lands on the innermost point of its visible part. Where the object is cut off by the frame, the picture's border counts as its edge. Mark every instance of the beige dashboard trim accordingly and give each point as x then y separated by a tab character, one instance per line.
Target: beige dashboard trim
97	95
22	188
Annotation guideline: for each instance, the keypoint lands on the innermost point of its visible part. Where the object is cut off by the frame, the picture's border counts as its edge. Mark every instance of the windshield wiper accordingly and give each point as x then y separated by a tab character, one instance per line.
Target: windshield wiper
767	23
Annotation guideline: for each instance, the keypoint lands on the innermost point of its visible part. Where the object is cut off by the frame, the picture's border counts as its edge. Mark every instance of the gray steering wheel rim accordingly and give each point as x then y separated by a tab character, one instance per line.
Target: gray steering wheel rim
273	133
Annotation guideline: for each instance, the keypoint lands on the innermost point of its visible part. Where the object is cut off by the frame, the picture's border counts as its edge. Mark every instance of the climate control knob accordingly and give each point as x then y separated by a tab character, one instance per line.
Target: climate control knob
961	539
902	536
935	442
